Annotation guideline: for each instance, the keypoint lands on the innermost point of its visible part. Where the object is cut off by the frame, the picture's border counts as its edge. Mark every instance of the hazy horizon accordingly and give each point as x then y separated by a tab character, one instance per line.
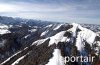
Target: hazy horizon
79	11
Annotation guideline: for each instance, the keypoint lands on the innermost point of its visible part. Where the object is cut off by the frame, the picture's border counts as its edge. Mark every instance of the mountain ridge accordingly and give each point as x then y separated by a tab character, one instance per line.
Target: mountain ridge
43	44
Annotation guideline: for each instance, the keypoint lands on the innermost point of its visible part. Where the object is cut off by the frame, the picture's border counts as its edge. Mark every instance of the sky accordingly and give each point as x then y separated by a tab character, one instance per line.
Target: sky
79	11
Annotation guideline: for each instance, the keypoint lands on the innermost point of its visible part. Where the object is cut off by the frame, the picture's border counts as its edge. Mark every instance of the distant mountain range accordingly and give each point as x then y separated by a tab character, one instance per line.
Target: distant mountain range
36	42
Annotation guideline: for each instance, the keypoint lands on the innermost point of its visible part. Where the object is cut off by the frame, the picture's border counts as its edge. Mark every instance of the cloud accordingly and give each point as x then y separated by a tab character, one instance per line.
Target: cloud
54	10
6	8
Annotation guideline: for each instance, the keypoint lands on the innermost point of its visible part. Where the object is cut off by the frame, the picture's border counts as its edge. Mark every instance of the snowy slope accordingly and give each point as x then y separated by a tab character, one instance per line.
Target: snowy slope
4	29
56	43
57	59
56	38
57	27
82	36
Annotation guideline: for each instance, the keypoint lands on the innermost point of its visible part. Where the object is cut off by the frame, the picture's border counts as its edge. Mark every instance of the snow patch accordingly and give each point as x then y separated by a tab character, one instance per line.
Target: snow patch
18	60
10	58
79	42
32	30
38	42
44	33
85	33
57	59
58	27
73	29
27	36
57	38
4	29
48	26
64	39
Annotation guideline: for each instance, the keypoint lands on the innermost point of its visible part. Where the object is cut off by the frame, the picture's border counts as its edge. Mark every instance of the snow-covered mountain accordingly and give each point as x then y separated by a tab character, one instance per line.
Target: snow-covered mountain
32	42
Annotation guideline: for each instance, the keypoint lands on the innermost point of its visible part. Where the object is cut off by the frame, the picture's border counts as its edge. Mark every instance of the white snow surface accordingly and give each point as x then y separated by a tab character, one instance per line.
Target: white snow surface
85	33
32	30
18	60
79	43
64	39
57	38
58	27
57	59
4	29
27	36
3	26
73	29
98	43
88	35
82	36
38	42
48	26
10	57
44	33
